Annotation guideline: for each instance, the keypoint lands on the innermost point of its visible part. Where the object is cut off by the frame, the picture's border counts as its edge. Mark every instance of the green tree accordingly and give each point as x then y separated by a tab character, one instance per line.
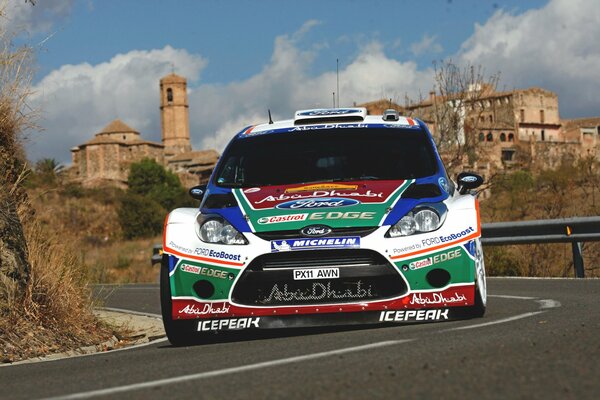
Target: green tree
140	216
47	170
149	179
152	192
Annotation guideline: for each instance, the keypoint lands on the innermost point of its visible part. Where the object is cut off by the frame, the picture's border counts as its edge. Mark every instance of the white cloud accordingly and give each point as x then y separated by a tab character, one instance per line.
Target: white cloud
18	15
285	86
78	100
554	47
427	44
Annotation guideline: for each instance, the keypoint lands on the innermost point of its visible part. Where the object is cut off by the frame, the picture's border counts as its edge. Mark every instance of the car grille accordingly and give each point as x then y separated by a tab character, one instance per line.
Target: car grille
364	275
279	235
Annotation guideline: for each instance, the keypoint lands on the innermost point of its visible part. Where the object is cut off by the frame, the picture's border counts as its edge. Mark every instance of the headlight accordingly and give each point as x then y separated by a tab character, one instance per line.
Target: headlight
215	229
424	218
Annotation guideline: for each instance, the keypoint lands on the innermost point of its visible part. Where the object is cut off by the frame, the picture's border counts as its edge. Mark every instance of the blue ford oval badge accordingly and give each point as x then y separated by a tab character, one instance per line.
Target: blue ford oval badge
316	230
468	179
329	111
318	203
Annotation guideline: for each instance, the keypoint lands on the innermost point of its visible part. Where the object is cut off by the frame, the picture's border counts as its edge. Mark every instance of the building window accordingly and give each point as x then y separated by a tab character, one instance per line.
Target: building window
542	116
170	95
543	135
511	137
522	112
491	117
490	137
124	137
503	137
508	154
481	136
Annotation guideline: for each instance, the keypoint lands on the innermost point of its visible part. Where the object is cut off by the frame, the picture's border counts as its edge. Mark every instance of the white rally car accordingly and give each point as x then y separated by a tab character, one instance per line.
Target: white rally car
334	217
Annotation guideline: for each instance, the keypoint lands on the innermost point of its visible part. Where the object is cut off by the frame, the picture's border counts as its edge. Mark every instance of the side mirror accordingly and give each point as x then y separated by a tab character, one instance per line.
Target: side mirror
197	192
468	181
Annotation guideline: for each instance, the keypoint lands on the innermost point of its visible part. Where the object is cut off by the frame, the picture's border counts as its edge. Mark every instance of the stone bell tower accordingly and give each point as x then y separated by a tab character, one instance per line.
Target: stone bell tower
174	115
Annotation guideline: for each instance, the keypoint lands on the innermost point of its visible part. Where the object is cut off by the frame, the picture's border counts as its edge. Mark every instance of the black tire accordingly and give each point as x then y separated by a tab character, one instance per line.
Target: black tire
178	332
478	309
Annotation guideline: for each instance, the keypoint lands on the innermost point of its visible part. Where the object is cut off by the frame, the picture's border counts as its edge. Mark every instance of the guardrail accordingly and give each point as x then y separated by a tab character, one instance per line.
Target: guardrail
564	230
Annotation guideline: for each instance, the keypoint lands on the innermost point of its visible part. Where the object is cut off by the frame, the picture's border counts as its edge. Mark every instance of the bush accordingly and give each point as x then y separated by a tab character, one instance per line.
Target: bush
150	179
140	216
152	192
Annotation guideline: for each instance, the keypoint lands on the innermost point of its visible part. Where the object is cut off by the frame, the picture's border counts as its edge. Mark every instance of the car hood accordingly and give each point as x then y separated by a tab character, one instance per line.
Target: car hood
336	204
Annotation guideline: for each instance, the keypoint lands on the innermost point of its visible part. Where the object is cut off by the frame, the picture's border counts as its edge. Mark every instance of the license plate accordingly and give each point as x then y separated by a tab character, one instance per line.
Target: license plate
316	273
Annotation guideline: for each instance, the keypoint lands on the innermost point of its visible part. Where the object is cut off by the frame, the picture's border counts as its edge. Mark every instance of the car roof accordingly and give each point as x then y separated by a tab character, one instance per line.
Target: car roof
331	118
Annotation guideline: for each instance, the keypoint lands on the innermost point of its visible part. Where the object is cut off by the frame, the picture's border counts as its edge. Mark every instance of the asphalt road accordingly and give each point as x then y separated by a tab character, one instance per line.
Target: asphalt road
540	339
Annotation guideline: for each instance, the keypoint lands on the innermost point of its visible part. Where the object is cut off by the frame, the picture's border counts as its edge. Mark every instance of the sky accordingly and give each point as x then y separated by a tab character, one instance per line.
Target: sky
98	60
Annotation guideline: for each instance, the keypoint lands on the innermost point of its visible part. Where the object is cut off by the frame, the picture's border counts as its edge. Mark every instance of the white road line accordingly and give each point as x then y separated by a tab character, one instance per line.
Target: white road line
225	371
505	296
545	304
548	303
499	321
125	311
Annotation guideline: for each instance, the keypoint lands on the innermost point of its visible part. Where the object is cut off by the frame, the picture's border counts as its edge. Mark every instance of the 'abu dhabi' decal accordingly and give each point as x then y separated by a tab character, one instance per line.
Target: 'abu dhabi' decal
289	196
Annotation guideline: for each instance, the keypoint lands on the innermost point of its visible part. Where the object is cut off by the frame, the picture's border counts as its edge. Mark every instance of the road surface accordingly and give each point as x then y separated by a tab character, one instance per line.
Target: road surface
538	339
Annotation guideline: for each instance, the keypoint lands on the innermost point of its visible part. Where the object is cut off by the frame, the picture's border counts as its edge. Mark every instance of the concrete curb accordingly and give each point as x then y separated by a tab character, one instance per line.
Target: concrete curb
135	329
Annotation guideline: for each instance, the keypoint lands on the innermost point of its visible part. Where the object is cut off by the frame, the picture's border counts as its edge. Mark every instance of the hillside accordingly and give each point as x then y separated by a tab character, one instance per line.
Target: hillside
88	219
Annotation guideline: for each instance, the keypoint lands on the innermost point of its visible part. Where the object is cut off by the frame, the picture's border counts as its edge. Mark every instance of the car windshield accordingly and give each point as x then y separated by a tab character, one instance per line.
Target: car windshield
327	155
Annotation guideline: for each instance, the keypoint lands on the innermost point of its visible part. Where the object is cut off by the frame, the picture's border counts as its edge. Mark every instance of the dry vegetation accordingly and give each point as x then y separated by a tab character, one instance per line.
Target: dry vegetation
88	219
571	190
56	311
45	304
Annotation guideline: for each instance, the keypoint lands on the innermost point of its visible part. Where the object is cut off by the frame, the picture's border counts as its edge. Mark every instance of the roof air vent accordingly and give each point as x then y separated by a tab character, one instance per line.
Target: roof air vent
391	115
330	115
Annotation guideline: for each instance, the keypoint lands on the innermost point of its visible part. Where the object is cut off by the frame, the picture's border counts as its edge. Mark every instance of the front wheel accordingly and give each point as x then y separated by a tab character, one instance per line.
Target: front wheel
175	330
478	309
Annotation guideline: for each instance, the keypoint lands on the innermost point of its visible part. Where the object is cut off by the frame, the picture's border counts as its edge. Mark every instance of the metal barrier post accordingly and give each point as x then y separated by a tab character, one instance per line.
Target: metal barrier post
578	260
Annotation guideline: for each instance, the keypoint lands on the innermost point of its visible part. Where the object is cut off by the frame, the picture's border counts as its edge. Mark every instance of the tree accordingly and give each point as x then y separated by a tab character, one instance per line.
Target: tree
140	216
459	100
152	192
47	171
150	179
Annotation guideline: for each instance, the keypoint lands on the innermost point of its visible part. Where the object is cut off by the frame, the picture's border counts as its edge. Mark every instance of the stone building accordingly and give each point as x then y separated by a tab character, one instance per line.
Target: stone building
105	159
514	128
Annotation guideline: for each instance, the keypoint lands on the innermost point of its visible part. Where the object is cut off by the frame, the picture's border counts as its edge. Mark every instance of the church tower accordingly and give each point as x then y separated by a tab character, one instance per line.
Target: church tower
174	115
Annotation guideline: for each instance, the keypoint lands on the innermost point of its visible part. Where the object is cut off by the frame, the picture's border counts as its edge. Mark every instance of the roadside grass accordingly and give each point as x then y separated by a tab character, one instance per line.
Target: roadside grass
122	261
55	314
88	219
45	301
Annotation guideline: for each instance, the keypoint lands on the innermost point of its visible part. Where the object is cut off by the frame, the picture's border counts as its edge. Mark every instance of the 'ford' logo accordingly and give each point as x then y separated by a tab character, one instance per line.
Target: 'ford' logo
316	230
343	111
318	203
468	179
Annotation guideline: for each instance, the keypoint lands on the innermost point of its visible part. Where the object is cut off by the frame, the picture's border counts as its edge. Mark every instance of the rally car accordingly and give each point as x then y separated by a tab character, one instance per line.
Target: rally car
334	217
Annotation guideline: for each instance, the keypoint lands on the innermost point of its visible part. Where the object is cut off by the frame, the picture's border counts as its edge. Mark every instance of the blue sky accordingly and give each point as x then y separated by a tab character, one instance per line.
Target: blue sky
237	36
101	60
